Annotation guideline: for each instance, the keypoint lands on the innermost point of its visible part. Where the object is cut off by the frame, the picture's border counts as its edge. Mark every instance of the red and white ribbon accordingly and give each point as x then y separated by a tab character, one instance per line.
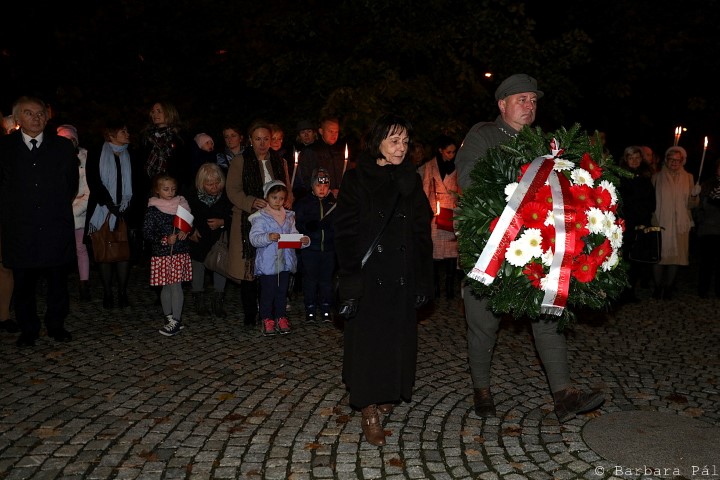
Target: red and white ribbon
510	222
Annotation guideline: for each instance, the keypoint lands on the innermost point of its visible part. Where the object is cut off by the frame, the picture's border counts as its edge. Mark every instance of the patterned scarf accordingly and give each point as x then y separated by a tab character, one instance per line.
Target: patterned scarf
253	185
163	142
208	199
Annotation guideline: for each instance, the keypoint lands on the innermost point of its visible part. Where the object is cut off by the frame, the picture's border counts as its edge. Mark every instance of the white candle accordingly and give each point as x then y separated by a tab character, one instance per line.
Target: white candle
678	131
346	160
702	160
437	207
292	181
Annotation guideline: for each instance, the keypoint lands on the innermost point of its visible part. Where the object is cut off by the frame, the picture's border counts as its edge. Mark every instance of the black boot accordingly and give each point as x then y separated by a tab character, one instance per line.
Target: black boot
450	266
84	291
217	305
249	297
201	309
436	276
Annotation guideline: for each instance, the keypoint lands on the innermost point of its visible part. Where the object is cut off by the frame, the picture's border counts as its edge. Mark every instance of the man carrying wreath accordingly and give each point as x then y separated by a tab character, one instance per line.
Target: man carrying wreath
517	98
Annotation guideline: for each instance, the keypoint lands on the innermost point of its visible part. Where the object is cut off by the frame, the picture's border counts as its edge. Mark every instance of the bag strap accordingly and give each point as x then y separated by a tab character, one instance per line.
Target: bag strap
376	240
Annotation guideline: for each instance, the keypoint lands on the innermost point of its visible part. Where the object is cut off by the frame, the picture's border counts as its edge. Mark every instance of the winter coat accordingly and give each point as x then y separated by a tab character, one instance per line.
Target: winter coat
381	341
222	208
36	195
241	258
313	220
80	203
157	227
445	191
269	259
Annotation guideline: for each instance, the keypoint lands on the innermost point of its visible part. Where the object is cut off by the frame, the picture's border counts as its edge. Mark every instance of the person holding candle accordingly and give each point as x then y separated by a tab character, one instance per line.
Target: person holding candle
327	153
441	187
675	196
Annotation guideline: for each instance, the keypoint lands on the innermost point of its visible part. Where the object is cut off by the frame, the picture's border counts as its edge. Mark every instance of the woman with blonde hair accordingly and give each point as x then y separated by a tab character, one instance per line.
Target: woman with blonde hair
212	212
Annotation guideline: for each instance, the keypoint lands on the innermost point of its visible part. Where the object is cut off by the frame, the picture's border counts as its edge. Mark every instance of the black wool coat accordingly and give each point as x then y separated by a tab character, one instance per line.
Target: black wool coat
202	213
381	341
36	195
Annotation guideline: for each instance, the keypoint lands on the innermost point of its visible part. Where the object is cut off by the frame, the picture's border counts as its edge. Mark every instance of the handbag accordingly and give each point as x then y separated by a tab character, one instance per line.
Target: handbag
110	246
647	247
217	258
444	219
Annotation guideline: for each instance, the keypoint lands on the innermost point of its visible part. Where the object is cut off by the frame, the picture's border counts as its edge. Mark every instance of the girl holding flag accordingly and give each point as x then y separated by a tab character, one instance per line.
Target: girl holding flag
167	224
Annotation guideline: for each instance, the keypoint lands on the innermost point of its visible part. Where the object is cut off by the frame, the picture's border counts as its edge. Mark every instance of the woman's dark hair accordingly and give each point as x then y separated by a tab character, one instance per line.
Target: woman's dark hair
112	127
442	142
386	125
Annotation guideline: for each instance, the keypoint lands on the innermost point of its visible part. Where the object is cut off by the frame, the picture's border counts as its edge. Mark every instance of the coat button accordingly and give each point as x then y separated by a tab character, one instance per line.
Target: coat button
380	248
401	281
379	281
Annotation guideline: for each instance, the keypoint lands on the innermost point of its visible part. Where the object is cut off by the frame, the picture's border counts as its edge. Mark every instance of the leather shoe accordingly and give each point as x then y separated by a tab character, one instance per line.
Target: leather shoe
26	340
571	401
385	408
60	335
484	405
9	326
371	427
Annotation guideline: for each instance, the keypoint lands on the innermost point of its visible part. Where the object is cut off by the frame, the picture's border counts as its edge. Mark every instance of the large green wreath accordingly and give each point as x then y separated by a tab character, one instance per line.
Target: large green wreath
513	290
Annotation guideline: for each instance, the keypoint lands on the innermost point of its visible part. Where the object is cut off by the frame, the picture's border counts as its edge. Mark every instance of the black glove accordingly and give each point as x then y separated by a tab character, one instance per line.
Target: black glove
311	226
348	308
421	300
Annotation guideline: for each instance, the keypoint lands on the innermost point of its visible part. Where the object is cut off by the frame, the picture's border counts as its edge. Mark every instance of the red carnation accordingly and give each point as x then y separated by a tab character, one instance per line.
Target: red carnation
579	224
534	214
601	252
588	164
584	268
544	196
601	198
548	237
534	272
582	194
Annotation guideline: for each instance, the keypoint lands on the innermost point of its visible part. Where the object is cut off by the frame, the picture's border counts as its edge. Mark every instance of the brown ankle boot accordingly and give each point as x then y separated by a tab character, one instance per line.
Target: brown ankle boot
571	401
483	403
371	427
385	408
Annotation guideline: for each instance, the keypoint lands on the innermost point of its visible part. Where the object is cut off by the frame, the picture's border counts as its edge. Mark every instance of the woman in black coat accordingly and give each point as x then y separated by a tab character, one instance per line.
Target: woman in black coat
379	299
638	196
212	212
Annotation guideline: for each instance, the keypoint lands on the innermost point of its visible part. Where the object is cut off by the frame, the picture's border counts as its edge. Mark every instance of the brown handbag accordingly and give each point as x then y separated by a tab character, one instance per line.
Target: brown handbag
110	246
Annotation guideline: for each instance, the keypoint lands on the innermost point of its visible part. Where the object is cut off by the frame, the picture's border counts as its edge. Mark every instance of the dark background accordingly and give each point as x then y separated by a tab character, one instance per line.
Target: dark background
633	69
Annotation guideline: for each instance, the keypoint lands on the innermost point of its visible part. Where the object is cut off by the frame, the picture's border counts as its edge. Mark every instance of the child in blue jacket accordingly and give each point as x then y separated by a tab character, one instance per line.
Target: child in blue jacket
273	265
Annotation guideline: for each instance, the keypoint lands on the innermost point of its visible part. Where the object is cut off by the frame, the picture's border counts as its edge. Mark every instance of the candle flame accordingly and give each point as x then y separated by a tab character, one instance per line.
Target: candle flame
437	207
296	157
346	152
706	142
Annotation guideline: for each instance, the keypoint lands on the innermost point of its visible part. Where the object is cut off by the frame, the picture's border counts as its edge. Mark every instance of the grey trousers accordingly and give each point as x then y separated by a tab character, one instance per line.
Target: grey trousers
482	327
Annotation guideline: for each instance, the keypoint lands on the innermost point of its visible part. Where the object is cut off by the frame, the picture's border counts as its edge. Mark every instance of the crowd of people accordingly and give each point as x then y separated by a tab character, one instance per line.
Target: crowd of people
370	240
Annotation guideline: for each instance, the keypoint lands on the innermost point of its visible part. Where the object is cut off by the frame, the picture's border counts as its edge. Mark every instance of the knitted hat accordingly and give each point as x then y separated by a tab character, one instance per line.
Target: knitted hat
518	83
69	132
320	175
202	138
305	125
269	185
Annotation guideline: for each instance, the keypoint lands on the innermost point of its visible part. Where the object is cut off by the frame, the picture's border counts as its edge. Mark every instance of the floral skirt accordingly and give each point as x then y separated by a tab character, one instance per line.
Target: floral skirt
170	269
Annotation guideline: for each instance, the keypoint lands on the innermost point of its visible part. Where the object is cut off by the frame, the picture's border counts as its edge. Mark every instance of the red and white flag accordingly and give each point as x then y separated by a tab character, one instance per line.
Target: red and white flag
183	219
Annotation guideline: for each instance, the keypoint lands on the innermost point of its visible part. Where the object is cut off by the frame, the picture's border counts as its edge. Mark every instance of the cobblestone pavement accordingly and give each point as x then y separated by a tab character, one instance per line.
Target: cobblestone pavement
221	401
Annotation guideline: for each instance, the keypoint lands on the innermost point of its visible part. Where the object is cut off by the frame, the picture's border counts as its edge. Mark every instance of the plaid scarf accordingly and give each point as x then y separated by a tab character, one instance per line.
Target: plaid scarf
253	185
162	141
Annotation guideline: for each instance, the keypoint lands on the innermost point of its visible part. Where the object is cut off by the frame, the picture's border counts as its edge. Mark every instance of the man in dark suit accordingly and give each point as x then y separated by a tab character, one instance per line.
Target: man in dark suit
38	182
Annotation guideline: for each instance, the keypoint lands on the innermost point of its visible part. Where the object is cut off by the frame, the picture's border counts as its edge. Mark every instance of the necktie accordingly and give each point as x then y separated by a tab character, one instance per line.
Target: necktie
34	145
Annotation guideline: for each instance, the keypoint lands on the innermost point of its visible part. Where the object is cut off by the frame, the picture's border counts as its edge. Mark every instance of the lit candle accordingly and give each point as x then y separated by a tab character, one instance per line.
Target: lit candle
292	181
678	131
437	207
346	159
702	160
